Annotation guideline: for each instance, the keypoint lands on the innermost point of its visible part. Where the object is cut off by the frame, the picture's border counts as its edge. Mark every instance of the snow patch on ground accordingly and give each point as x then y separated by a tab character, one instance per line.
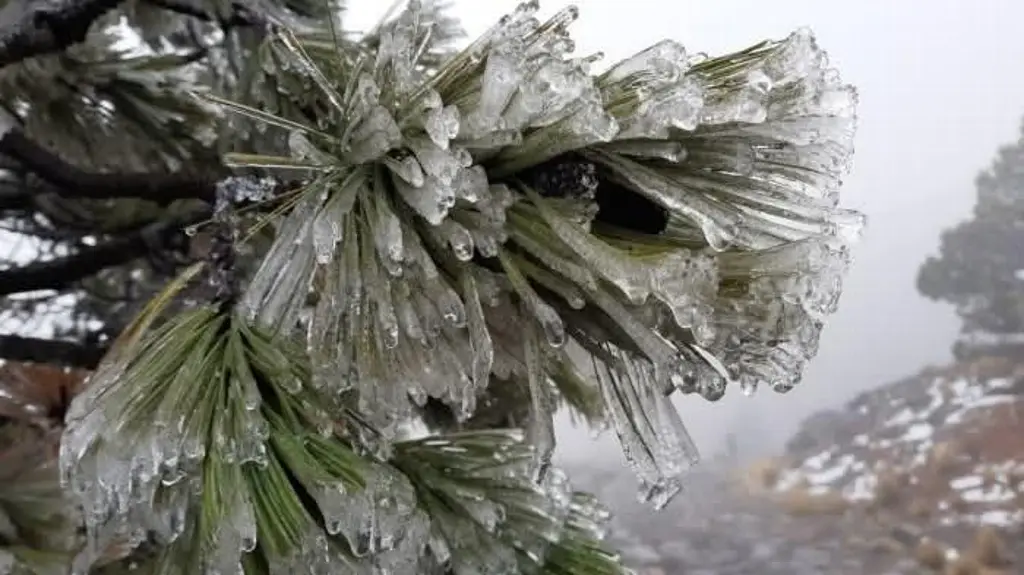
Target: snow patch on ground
901	427
918	432
969	482
1001	518
991	494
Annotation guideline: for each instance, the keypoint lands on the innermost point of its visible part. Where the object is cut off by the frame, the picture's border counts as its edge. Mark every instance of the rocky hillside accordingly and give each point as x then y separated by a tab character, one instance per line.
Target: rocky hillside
922	476
939	457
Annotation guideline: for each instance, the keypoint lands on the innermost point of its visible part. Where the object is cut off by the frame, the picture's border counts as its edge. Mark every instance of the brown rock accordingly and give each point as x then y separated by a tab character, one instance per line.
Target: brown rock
989	549
964	566
931	555
921	509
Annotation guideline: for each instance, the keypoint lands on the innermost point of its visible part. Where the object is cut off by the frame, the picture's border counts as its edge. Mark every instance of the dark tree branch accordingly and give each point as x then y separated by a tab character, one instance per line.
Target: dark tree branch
30	28
32	198
69	181
151	240
62	272
72	181
240	15
50	351
15	196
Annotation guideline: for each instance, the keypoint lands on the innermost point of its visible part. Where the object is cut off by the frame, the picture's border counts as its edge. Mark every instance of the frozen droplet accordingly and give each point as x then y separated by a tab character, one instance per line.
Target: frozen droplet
471	184
325	237
436	161
500	80
303	149
493	141
431	201
459	239
667	59
374	136
442	125
388	237
406	168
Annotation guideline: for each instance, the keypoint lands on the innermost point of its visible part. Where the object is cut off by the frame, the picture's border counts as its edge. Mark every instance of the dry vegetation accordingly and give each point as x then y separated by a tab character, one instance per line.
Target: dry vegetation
921	493
963	566
762	475
890	489
989	549
978	368
931	555
987	555
991	367
801	502
944	457
921	509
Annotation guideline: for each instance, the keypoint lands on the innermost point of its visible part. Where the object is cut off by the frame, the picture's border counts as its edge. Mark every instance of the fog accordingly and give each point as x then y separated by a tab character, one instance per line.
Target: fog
937	100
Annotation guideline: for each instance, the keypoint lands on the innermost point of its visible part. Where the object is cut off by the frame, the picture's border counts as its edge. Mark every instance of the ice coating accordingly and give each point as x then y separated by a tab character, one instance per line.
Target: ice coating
392	321
148	450
493	533
745	153
420	262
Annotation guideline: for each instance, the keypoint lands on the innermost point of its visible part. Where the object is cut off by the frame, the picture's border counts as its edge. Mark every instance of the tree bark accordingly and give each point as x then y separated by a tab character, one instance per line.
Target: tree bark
31	27
50	351
72	181
62	272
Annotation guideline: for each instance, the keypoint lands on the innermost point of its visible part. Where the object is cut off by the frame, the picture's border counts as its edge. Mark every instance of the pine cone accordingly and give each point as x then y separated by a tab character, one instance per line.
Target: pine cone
563	177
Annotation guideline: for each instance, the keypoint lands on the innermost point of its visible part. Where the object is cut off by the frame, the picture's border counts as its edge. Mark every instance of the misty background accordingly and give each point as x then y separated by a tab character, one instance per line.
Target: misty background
936	100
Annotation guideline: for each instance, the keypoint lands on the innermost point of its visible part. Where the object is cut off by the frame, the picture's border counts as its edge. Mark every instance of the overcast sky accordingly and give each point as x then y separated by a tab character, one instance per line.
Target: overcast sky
941	88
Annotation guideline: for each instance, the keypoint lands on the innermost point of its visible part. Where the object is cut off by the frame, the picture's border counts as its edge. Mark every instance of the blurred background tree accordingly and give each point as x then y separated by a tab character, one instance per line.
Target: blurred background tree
980	266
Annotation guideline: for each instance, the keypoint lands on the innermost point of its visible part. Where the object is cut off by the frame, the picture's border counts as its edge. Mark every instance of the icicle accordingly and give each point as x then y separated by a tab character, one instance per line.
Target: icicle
654	441
430	318
388	237
667	362
688	284
278	288
326	234
665	60
407	316
500	81
376	518
379	293
541	430
479	335
605	260
544	314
